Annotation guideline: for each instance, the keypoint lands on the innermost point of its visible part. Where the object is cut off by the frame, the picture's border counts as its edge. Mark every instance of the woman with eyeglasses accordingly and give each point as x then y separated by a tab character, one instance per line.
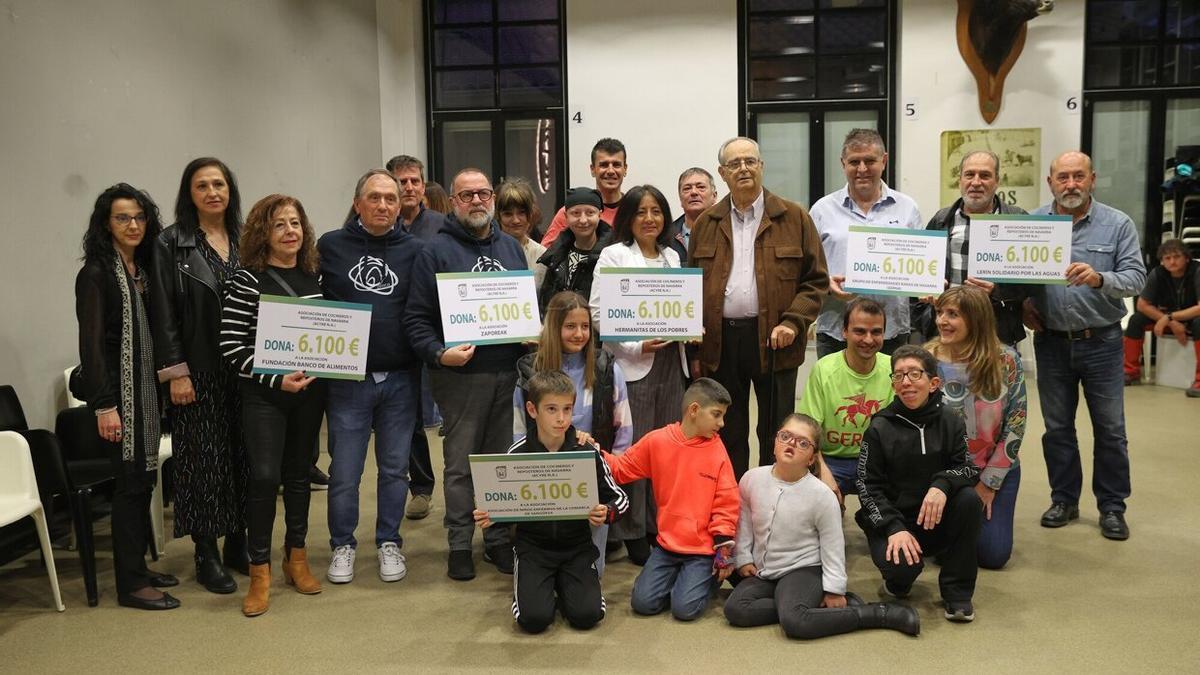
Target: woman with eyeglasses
192	261
117	367
983	382
790	551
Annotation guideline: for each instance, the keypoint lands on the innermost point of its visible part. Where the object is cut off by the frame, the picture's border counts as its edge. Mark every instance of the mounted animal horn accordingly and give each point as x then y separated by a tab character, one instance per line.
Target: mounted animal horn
991	34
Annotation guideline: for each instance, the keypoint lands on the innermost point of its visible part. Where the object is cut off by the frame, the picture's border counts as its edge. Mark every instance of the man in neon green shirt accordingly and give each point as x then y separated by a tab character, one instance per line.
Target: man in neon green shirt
847	387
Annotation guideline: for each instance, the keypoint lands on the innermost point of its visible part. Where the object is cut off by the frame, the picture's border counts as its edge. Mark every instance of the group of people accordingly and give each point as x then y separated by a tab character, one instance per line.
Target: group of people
926	436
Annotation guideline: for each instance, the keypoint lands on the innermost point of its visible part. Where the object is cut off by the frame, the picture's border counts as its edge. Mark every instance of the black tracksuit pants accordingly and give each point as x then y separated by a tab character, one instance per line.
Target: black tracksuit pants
954	541
544	579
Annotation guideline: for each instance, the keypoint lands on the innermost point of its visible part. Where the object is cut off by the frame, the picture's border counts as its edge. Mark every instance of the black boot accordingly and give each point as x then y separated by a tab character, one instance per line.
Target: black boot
209	570
237	557
888	615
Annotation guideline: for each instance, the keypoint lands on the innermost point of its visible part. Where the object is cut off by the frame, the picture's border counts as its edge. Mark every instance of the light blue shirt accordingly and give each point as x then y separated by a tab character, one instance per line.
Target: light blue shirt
833	215
1107	240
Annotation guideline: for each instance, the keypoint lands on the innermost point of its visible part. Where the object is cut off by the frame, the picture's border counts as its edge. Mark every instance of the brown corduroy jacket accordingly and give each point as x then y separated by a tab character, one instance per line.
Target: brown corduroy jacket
789	265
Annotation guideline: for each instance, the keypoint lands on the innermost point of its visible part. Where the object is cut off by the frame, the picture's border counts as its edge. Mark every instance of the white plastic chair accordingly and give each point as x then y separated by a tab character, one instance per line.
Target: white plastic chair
19	498
157	517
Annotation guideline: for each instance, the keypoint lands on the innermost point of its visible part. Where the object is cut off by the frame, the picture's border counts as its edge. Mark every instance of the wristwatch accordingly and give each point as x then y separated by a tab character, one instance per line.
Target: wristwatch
1169	317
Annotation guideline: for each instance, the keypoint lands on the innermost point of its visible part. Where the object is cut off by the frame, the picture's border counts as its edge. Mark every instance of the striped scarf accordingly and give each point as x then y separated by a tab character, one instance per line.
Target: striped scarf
139	388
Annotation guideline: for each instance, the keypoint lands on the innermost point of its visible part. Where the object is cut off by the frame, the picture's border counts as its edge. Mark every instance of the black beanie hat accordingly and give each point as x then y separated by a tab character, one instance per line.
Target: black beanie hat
583	196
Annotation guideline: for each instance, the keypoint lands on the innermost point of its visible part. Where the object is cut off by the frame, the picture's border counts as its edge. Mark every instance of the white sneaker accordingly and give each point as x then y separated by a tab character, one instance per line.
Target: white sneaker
341	567
391	562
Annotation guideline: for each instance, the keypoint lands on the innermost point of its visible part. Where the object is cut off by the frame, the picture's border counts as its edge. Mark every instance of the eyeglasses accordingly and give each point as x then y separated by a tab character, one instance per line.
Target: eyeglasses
912	375
793	441
468	196
124	219
748	162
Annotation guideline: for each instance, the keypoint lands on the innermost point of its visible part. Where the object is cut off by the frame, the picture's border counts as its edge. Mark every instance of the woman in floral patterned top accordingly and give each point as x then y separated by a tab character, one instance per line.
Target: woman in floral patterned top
982	380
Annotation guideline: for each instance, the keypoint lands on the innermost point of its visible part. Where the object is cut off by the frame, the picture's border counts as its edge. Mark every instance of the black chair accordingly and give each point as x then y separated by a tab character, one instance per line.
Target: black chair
88	471
48	469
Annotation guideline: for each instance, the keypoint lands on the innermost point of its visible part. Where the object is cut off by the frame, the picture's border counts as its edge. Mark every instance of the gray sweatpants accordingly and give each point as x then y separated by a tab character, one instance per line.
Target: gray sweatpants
477	416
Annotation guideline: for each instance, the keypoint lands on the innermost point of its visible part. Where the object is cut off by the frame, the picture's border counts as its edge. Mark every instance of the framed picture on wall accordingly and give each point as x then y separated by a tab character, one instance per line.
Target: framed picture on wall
1020	153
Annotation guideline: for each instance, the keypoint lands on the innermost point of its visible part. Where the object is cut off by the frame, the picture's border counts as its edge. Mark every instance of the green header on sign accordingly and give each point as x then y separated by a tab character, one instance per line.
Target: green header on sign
938	234
335	304
530	456
484	275
666	271
1018	216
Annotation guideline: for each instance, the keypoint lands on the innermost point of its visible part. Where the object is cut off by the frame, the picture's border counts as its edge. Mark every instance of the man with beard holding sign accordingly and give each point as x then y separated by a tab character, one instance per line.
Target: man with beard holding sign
472	385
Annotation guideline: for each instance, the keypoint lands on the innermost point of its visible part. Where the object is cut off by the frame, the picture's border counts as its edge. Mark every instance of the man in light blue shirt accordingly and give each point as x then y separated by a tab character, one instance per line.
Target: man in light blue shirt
1077	340
865	200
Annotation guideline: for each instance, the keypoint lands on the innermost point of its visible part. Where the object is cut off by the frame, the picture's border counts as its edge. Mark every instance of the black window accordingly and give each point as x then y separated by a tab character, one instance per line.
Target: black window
1142	43
1141	115
496	91
811	70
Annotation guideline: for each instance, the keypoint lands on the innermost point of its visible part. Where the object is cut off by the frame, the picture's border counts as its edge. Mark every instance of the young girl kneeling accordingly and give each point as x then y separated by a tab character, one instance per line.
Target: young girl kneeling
791	552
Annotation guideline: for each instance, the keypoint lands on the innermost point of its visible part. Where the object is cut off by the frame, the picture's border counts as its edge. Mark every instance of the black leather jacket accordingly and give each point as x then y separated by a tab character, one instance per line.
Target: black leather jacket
185	301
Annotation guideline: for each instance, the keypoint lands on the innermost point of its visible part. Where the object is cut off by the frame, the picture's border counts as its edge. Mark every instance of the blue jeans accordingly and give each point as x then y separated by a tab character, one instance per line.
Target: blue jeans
686	582
996	537
1062	366
353	409
845	471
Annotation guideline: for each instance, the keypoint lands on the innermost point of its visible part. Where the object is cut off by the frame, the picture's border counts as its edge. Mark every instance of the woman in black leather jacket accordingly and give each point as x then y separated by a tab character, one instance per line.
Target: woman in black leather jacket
192	260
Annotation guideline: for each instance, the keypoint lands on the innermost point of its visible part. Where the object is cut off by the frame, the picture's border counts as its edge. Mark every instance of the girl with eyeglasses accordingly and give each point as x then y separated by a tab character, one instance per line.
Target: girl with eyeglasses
983	382
790	551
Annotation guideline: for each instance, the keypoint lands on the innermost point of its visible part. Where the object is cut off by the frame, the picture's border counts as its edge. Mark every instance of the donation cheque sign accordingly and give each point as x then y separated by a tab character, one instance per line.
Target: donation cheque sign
895	261
488	308
645	303
1020	249
535	486
321	337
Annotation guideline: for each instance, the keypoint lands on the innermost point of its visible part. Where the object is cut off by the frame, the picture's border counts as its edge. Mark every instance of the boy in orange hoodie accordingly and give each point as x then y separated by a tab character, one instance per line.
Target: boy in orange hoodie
698	505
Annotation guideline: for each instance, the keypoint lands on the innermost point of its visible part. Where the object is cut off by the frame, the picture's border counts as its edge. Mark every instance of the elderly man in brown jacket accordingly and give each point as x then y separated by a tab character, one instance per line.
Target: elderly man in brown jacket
764	278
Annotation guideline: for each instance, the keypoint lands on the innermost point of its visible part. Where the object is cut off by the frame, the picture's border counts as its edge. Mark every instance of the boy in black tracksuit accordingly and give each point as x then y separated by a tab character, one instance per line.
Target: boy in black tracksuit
558	555
915	483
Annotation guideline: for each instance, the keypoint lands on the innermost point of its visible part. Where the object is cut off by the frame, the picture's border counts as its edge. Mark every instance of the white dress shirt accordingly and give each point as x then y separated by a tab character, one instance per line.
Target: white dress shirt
741	291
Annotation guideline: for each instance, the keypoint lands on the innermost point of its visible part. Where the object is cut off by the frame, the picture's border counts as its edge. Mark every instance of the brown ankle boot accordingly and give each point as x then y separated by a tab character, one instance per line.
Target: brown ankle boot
296	572
257	598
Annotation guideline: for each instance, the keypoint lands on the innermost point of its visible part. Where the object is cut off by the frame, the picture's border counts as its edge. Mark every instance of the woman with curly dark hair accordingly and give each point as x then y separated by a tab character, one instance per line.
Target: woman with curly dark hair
116	353
281	414
192	260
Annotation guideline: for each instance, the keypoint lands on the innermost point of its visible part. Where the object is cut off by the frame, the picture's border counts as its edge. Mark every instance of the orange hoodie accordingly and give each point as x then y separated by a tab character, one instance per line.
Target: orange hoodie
694	487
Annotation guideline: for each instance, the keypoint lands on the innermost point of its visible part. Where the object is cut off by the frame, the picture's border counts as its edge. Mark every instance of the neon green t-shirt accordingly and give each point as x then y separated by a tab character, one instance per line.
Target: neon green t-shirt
843	401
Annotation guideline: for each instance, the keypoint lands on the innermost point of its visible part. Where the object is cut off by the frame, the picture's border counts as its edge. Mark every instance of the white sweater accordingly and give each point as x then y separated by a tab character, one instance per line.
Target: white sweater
785	526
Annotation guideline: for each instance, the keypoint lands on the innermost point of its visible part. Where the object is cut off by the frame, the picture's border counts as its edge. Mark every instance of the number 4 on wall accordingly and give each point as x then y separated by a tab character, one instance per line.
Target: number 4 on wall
577	117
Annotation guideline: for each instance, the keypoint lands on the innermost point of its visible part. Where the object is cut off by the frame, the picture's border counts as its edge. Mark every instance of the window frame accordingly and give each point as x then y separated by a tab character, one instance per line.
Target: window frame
817	107
499	114
1158	95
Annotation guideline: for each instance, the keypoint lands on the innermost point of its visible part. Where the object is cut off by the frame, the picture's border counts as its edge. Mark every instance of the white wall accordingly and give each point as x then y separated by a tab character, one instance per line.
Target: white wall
660	76
1048	72
401	79
287	92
